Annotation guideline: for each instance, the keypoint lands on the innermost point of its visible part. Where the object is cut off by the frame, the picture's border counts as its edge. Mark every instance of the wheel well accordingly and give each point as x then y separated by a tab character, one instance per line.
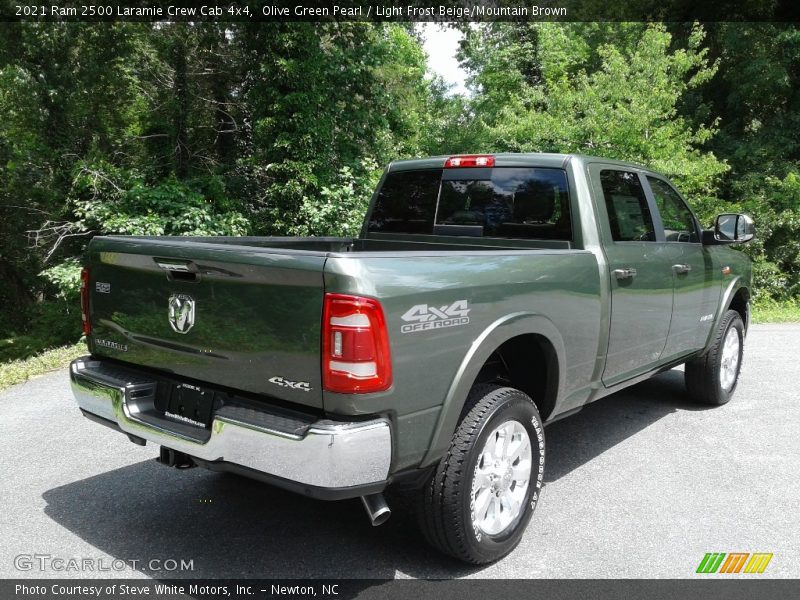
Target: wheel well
528	363
739	304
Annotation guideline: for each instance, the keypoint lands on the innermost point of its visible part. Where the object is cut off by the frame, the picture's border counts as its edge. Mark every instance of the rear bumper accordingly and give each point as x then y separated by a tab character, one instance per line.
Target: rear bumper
329	459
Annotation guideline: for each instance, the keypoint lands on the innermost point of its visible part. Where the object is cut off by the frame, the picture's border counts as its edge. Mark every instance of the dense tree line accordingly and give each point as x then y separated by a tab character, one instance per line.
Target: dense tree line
282	129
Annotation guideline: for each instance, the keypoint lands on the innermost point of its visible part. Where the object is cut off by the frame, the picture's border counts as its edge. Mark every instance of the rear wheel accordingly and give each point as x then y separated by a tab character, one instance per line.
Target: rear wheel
480	498
712	378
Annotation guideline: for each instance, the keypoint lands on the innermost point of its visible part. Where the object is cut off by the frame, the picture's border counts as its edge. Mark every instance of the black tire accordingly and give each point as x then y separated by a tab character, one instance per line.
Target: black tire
702	375
445	502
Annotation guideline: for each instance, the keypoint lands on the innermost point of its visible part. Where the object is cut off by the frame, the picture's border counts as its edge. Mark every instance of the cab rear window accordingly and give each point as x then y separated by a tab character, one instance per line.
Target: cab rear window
500	202
406	202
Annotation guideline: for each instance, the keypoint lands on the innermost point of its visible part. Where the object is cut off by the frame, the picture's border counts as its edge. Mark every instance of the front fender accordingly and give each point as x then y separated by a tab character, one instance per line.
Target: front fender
728	293
487	342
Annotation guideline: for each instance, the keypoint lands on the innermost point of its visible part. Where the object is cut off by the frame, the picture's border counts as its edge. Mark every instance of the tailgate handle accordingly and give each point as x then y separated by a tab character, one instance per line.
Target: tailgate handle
179	270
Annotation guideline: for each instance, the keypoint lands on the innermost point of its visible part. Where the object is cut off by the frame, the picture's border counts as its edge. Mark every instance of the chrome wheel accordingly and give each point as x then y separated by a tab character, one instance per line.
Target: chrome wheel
501	479
729	363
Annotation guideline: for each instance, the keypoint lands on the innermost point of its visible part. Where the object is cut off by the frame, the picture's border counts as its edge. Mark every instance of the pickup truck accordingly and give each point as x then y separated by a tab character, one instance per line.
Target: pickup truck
485	297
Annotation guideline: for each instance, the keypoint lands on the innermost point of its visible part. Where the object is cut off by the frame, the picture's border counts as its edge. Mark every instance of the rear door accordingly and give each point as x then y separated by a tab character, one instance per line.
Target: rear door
640	280
241	317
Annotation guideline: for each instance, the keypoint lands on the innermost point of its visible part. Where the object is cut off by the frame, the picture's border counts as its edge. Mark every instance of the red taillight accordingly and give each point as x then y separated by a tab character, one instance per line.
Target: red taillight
469	160
87	324
355	345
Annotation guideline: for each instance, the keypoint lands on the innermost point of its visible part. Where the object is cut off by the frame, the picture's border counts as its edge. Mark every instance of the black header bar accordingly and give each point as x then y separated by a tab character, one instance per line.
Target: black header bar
408	11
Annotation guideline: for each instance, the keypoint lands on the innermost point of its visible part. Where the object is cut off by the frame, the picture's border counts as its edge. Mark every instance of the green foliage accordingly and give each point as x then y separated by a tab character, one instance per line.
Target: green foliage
339	209
626	108
756	98
170	208
775	206
65	279
20	370
329	99
50	324
771	311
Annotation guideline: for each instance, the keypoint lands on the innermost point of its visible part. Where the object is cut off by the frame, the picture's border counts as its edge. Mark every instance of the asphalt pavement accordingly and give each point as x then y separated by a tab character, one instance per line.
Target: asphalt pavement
640	484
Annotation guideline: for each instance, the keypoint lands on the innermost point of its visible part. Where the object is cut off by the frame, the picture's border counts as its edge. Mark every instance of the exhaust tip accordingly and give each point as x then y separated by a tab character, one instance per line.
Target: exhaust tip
377	509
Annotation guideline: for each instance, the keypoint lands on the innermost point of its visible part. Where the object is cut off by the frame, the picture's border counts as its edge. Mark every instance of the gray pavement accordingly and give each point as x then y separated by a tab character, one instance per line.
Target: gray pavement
640	484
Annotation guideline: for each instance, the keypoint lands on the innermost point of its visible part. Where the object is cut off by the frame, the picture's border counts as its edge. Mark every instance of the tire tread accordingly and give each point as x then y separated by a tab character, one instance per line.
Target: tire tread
700	375
441	521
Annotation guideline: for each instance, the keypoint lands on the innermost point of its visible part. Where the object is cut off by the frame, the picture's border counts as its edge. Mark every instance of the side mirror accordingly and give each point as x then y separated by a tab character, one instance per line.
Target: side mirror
731	228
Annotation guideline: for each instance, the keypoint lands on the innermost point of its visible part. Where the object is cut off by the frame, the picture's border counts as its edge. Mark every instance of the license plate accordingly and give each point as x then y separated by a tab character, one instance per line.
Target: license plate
190	404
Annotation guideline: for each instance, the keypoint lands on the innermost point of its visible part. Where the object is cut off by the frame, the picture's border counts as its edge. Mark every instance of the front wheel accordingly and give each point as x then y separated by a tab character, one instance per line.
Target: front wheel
712	378
477	503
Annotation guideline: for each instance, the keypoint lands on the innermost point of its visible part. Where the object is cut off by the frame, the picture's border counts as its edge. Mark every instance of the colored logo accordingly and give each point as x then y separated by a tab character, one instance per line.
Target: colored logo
734	562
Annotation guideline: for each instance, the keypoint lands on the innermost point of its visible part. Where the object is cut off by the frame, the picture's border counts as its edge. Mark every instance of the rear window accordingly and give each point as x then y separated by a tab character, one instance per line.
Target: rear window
406	202
503	202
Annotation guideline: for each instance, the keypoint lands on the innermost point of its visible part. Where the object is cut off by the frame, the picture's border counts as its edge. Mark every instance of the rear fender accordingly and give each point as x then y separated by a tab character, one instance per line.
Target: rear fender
493	337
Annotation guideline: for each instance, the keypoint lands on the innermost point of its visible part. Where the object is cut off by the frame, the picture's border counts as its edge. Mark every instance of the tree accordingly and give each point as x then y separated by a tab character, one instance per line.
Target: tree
627	107
325	97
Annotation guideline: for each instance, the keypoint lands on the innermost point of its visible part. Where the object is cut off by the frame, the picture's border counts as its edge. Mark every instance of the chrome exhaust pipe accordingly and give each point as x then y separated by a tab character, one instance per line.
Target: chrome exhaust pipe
377	509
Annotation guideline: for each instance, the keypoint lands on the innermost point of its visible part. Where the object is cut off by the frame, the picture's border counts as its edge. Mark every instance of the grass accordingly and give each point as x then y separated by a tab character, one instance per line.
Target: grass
19	371
777	312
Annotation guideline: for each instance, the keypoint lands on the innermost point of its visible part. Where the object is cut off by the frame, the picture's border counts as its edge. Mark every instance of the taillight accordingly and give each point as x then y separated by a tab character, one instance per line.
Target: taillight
87	324
469	160
355	345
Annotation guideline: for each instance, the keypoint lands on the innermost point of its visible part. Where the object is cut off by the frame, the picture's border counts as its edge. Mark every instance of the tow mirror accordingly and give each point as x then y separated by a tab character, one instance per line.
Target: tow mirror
731	228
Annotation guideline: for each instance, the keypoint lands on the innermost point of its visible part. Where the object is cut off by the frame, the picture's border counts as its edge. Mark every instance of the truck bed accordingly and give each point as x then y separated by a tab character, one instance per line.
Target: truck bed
257	302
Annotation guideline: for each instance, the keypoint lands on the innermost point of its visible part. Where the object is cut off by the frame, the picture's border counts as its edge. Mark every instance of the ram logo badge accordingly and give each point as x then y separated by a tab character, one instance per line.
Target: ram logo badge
181	312
423	317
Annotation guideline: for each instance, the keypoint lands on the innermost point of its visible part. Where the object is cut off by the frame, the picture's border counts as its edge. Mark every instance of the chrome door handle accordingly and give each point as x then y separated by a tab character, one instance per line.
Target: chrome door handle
682	269
624	273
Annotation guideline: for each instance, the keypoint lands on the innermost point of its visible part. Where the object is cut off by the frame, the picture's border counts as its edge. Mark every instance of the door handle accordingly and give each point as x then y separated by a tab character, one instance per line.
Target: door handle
627	273
682	269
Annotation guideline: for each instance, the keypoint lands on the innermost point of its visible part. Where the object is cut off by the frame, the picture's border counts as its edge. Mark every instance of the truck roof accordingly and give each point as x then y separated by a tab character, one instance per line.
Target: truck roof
511	159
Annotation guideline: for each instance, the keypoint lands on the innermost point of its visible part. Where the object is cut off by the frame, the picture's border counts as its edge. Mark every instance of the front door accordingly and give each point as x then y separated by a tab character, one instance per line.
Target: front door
695	295
639	273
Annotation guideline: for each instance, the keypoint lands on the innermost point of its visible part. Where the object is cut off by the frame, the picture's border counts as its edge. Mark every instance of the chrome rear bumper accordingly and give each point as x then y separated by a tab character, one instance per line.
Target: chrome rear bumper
328	454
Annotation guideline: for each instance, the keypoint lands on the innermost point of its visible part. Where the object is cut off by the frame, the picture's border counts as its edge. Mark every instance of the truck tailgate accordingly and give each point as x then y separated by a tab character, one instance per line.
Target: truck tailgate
242	317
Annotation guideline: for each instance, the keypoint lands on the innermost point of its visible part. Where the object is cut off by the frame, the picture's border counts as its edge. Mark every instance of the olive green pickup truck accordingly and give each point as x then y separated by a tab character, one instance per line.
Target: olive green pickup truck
486	296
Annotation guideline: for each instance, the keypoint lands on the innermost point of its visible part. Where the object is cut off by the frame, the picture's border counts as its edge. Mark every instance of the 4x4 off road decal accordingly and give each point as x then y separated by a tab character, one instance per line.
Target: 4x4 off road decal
424	318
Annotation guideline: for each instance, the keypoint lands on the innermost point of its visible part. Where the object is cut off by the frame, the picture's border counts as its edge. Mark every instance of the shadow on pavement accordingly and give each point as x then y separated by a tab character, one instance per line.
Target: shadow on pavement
232	527
577	439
